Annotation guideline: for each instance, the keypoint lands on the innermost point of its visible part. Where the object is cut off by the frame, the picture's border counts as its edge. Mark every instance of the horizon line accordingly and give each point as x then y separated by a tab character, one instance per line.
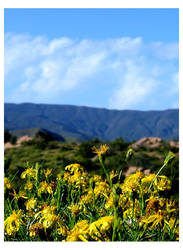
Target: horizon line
85	106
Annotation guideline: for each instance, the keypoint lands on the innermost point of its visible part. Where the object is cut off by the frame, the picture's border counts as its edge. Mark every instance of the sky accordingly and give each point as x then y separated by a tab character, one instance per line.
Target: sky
109	58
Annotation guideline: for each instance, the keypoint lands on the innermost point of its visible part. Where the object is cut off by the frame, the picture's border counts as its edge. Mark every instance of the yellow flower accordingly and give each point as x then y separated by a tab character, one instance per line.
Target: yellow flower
77	178
74	168
113	174
30	172
174	226
7	183
170	206
81	182
58	176
66	176
102	188
23	195
34	229
146	182
13	222
162	183
46	210
86	199
100	226
100	151
173	223
30	204
132	182
63	229
132	211
45	187
110	202
79	232
48	218
74	209
154	204
155	219
47	172
28	186
102	212
97	178
20	195
124	201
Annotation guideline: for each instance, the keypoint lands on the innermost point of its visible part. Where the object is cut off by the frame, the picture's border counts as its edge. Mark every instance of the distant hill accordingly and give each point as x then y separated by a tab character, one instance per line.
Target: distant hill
85	122
32	132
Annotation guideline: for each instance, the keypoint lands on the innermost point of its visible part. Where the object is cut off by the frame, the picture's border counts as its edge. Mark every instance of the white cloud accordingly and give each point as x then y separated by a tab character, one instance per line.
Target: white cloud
164	51
38	69
135	85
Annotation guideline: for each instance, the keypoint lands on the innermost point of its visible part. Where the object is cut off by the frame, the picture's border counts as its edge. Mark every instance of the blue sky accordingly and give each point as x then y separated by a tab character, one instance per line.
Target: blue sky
112	58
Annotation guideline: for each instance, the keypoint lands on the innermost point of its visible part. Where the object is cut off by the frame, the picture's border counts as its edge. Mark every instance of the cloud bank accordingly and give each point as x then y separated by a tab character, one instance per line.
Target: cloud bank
121	73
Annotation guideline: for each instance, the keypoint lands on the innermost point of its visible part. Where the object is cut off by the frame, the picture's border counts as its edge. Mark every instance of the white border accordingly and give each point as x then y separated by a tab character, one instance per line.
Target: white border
89	4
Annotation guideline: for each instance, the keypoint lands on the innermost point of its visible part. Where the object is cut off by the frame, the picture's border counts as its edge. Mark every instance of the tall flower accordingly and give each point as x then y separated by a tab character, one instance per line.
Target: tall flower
13	222
100	151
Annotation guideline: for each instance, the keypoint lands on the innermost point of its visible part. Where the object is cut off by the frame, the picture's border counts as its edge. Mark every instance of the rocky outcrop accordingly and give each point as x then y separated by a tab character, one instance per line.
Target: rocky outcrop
133	169
23	138
149	142
19	142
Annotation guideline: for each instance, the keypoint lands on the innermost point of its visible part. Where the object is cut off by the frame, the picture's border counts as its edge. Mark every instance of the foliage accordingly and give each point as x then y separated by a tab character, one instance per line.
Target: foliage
56	154
8	137
77	205
85	148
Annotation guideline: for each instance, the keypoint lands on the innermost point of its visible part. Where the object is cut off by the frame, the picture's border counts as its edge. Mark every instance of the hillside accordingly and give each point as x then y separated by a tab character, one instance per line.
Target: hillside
32	132
85	122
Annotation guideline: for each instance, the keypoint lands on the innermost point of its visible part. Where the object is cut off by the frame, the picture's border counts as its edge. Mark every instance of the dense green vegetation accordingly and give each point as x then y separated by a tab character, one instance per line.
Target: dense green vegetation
85	123
9	137
56	155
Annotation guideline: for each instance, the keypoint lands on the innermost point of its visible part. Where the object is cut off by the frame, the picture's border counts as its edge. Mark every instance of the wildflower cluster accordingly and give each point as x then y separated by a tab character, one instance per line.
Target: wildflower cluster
80	206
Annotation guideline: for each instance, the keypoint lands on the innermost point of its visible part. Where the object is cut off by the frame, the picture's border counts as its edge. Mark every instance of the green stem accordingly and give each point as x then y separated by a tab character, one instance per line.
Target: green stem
37	175
115	223
9	204
167	159
105	171
59	195
115	199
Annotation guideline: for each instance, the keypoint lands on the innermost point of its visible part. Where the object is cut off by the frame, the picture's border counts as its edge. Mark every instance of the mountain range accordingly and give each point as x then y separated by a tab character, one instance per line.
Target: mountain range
82	123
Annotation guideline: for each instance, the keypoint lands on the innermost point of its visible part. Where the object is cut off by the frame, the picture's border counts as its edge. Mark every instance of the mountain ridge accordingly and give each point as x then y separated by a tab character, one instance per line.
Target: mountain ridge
85	106
84	122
